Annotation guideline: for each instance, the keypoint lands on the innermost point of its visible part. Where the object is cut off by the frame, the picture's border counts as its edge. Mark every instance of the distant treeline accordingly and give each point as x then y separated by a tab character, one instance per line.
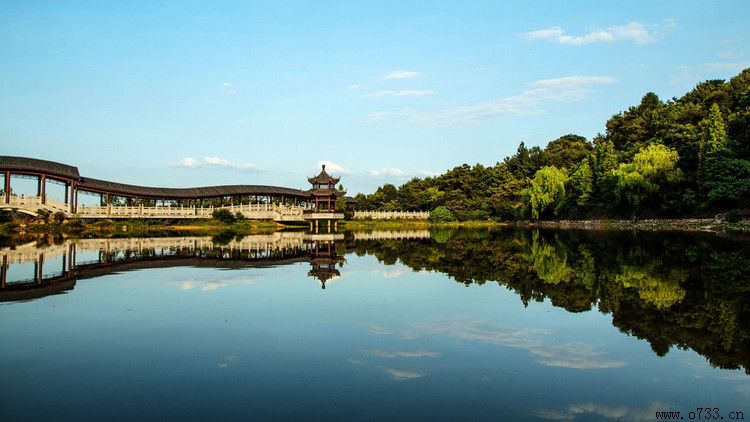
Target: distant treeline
688	156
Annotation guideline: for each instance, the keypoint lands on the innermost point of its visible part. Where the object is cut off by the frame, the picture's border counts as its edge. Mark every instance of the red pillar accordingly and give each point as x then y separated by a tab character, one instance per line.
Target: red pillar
7	187
66	192
4	275
43	182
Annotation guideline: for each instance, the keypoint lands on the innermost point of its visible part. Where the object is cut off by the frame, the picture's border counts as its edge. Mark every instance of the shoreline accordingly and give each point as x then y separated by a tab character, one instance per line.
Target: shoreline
149	228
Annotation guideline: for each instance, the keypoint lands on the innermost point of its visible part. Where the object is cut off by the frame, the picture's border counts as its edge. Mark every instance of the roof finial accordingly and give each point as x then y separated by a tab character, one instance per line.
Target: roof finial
324	167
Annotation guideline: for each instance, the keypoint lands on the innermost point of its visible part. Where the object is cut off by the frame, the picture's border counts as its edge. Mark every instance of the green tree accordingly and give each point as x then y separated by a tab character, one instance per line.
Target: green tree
566	151
441	214
547	188
653	168
582	184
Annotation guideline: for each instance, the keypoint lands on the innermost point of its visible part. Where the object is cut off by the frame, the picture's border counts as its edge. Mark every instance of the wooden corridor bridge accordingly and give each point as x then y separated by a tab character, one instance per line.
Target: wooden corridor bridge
122	201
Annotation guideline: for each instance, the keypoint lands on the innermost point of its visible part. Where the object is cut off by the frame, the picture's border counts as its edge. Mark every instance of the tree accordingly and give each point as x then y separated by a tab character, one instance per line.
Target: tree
653	168
582	184
547	188
566	151
728	181
441	214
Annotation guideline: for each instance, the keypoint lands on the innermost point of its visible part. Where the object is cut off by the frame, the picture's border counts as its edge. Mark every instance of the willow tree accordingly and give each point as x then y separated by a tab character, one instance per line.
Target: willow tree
547	189
650	174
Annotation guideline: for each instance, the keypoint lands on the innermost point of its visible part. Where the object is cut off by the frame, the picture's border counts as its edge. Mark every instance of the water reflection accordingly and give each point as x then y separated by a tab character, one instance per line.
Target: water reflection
669	289
672	289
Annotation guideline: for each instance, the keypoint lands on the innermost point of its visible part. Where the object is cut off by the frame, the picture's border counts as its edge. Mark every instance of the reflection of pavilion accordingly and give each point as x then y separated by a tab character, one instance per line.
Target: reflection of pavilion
323	258
28	271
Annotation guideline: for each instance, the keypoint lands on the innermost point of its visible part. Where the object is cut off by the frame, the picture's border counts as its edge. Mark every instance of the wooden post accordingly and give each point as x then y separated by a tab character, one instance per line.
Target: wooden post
66	192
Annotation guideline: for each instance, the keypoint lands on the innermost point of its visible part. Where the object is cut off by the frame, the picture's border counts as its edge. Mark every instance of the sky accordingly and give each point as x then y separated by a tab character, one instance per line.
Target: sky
204	93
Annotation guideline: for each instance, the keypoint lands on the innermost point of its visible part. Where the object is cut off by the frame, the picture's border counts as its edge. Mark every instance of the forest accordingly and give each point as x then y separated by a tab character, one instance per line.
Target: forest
684	157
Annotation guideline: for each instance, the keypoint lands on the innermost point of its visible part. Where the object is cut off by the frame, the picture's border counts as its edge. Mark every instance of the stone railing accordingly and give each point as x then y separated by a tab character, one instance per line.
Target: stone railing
34	203
276	212
250	211
391	215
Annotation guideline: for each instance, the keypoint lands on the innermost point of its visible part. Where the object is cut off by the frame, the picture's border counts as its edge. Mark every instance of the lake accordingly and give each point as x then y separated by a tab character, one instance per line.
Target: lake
439	325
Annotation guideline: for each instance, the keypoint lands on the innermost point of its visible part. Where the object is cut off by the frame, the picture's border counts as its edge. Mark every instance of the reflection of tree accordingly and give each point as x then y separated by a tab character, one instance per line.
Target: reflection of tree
671	289
661	291
548	261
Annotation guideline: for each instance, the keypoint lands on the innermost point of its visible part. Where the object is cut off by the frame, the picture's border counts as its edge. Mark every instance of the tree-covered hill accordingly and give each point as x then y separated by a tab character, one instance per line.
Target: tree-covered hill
687	156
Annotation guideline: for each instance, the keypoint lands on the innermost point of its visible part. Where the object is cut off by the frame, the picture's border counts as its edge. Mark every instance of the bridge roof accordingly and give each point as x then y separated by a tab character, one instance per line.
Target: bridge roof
38	166
115	188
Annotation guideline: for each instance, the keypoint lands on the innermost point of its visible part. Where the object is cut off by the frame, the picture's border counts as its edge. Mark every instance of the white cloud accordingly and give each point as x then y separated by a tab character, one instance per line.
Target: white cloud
401	74
224	163
635	32
332	167
427	173
566	89
733	67
730	53
229	88
388	171
355	86
213	162
571	88
185	162
401	93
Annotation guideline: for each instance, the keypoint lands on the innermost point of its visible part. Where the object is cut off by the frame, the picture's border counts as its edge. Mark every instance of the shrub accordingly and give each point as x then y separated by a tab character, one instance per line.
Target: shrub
58	217
441	214
239	216
224	215
44	214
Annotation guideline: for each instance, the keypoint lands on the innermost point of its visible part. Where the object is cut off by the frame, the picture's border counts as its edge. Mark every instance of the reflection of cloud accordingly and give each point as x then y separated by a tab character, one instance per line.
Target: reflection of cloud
400	375
581	410
405	354
744	390
396	374
395	273
564	355
208	285
226	361
379	330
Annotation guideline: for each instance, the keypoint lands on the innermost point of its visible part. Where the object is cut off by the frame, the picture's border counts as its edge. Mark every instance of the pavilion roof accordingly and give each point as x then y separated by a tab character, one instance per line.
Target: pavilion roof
323	178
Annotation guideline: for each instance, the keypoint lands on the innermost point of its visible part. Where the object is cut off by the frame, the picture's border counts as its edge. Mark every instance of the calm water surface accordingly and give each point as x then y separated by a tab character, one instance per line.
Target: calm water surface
470	325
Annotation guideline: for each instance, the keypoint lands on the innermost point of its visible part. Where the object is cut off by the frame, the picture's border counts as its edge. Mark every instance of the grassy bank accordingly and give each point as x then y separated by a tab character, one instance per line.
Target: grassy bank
147	228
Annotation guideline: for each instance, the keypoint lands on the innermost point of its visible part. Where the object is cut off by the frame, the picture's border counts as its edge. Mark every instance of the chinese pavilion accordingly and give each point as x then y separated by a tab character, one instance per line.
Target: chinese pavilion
324	193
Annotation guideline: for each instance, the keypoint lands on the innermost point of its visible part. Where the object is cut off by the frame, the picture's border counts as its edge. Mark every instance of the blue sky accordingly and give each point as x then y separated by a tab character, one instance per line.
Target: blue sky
190	94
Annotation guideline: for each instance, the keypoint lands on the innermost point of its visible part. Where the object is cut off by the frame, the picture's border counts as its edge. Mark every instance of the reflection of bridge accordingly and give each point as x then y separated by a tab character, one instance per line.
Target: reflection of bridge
118	200
30	270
